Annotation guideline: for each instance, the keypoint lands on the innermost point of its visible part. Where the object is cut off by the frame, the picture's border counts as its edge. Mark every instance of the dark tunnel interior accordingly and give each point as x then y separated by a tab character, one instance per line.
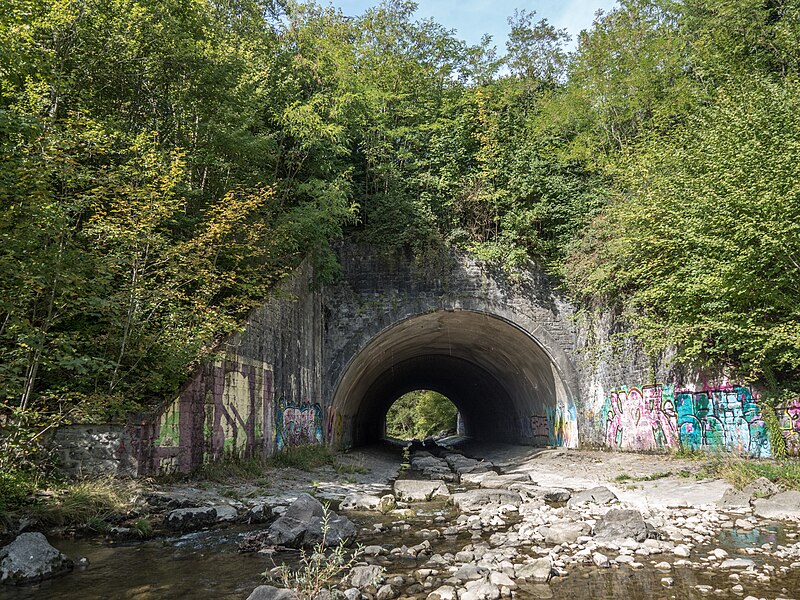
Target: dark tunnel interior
498	376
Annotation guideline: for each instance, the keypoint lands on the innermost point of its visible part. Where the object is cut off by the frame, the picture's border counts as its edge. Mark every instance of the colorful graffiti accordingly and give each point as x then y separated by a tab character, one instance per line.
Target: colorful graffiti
654	417
641	418
789	417
297	424
727	418
222	411
562	425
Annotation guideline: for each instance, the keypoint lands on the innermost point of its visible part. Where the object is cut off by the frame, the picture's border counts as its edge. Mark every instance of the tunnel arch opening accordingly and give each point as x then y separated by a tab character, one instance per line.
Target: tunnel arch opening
506	387
421	414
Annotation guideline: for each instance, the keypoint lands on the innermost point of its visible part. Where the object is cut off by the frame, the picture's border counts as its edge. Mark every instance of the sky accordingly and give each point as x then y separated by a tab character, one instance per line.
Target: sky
472	18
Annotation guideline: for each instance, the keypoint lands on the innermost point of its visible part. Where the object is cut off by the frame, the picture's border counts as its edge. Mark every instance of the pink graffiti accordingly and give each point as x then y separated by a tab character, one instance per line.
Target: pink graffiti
641	419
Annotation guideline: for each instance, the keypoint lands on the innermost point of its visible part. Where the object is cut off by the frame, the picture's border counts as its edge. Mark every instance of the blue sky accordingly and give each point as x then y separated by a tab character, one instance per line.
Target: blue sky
473	18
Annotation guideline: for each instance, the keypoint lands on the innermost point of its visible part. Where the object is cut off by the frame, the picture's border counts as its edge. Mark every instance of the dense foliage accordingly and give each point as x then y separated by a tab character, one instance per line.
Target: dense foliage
421	414
164	162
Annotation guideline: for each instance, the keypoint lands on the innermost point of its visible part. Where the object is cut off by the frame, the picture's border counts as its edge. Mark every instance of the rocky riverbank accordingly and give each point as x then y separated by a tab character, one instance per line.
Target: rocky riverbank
518	522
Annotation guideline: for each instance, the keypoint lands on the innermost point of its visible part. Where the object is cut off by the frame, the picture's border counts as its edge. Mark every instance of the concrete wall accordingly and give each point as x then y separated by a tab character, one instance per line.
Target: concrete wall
260	393
91	450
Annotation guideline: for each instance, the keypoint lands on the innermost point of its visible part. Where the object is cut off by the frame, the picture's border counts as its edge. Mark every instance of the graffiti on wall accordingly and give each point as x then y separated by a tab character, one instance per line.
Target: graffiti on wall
641	418
557	427
654	417
727	418
789	417
297	424
222	411
562	426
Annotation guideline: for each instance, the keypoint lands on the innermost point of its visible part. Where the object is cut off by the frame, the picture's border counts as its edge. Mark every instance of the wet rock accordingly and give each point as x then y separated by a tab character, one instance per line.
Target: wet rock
363	576
785	505
600	560
474	500
301	526
386	504
539	570
414	490
225	513
619	524
360	502
31	558
191	518
259	513
269	592
737	563
469	572
565	532
462	465
502	580
386	592
445	592
600	495
481	590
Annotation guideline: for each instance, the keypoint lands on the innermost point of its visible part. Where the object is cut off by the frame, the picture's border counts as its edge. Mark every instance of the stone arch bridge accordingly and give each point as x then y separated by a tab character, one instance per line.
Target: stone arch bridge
323	364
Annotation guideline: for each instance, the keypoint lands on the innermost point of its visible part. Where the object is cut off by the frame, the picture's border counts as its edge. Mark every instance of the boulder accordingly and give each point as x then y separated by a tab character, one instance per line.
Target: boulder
565	533
191	518
225	513
361	577
761	488
473	500
599	495
619	524
269	592
301	526
785	505
481	590
734	499
419	490
445	592
259	513
31	558
540	570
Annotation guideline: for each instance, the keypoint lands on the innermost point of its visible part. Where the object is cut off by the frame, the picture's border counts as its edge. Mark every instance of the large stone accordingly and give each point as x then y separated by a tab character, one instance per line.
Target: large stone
358	501
618	524
734	499
481	590
474	500
386	504
566	532
445	592
361	577
304	524
761	488
785	505
540	570
269	592
599	495
191	518
31	558
418	490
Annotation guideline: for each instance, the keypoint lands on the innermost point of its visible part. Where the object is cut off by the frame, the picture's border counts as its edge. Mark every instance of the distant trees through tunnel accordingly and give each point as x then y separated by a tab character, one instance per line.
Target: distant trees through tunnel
421	414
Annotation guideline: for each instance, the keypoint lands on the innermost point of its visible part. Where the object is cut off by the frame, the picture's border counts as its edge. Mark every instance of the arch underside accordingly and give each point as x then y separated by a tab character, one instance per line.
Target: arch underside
503	383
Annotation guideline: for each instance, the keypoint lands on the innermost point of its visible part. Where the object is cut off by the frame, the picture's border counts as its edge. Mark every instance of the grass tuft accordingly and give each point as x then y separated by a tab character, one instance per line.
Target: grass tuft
305	458
740	472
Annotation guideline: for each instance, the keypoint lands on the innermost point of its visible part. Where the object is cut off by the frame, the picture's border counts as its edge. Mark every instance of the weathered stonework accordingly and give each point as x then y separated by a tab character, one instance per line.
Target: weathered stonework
323	365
